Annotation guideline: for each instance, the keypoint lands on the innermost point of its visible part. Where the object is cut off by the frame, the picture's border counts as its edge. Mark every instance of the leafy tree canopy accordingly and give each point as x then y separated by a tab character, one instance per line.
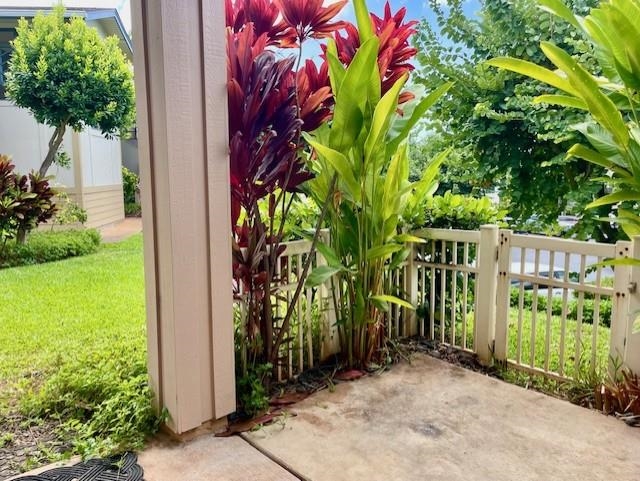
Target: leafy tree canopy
68	76
501	139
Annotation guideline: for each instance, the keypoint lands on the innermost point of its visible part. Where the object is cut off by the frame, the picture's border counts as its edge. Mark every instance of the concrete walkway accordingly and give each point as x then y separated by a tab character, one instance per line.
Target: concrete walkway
434	421
209	458
425	421
121	230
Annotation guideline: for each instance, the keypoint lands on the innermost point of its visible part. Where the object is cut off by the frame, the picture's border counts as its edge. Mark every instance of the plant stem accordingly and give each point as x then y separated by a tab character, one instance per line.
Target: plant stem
307	264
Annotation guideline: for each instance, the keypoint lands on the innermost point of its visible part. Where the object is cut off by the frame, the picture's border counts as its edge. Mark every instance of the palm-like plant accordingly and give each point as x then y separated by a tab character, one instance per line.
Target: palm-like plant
361	164
612	100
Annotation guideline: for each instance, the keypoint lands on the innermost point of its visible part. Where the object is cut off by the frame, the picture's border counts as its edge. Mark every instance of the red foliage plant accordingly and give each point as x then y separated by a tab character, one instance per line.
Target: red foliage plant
271	102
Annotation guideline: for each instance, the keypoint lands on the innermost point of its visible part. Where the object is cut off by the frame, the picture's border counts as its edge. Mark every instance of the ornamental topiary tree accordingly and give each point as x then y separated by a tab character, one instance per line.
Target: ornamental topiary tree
67	76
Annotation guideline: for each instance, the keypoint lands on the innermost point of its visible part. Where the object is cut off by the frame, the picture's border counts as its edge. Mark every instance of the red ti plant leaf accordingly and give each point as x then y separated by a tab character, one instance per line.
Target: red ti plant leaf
264	16
309	18
395	53
263	121
314	95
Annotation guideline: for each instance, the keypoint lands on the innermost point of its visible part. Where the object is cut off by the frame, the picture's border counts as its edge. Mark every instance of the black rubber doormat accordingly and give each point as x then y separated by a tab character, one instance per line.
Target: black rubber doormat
117	468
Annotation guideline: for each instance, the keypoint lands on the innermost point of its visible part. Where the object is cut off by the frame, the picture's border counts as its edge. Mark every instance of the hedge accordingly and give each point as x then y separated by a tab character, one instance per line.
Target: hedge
44	247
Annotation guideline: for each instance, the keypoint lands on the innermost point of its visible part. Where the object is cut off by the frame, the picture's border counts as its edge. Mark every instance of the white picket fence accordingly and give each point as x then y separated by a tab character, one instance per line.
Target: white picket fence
480	291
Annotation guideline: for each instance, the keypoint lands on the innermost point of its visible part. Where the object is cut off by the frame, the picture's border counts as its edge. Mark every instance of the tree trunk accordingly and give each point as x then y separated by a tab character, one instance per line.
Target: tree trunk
54	145
21	238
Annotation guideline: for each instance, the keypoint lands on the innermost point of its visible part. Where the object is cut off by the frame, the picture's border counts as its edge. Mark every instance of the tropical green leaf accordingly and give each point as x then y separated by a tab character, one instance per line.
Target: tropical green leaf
339	162
601	107
330	255
382	115
559	9
392	300
562	100
615	198
348	114
534	71
404	238
402	124
594	157
336	69
322	274
383	251
363	18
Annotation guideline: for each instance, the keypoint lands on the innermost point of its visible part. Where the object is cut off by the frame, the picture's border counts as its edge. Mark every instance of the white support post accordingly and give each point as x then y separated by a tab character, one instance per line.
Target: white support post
330	341
411	289
620	306
487	290
632	347
503	296
181	103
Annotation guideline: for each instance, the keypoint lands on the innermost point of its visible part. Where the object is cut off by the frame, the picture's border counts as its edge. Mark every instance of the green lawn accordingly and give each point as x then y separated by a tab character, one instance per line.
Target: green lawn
73	351
571	343
51	312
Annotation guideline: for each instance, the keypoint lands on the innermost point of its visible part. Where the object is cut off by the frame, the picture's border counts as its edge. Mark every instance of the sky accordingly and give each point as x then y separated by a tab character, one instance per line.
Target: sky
416	9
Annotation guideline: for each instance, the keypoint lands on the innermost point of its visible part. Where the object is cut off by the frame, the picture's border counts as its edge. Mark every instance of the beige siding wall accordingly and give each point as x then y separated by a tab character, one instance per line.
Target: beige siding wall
104	205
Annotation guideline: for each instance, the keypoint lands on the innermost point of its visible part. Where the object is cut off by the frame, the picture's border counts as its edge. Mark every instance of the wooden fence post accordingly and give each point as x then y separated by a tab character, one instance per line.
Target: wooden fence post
329	342
632	345
620	306
503	299
487	291
411	288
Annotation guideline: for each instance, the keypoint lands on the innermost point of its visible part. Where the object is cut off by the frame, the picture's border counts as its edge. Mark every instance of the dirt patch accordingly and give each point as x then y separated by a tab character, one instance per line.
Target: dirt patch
25	445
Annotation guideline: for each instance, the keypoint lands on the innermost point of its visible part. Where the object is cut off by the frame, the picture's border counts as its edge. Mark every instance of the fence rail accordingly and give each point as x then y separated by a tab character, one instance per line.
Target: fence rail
539	304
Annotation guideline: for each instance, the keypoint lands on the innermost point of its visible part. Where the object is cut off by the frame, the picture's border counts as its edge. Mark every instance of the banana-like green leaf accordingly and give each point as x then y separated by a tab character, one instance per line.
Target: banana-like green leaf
330	255
392	300
363	18
348	114
340	163
601	107
594	157
382	115
404	238
562	100
380	252
321	274
615	198
399	257
336	69
556	7
534	71
402	125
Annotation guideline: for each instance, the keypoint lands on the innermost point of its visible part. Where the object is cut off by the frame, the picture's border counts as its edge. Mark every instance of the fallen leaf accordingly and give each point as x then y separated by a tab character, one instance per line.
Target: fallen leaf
349	375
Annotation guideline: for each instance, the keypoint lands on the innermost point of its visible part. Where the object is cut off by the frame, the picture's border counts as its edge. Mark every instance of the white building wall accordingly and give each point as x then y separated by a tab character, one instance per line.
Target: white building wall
27	143
94	179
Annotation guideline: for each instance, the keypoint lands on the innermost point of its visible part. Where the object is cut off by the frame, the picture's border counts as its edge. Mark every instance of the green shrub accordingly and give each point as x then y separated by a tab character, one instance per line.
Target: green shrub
68	211
301	218
101	398
588	307
132	209
50	246
130	183
454	211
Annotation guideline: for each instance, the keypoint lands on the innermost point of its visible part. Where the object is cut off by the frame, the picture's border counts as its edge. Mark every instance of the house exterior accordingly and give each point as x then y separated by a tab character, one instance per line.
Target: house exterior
94	179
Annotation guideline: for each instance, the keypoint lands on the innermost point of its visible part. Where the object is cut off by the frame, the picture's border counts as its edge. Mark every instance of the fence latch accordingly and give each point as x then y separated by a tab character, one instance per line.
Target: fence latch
633	287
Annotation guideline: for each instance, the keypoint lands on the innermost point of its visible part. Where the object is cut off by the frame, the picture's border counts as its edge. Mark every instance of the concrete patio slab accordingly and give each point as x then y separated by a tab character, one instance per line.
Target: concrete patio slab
433	421
209	458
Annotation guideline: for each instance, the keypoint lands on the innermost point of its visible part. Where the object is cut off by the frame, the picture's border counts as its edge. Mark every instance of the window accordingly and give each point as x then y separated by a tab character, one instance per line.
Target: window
6	35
